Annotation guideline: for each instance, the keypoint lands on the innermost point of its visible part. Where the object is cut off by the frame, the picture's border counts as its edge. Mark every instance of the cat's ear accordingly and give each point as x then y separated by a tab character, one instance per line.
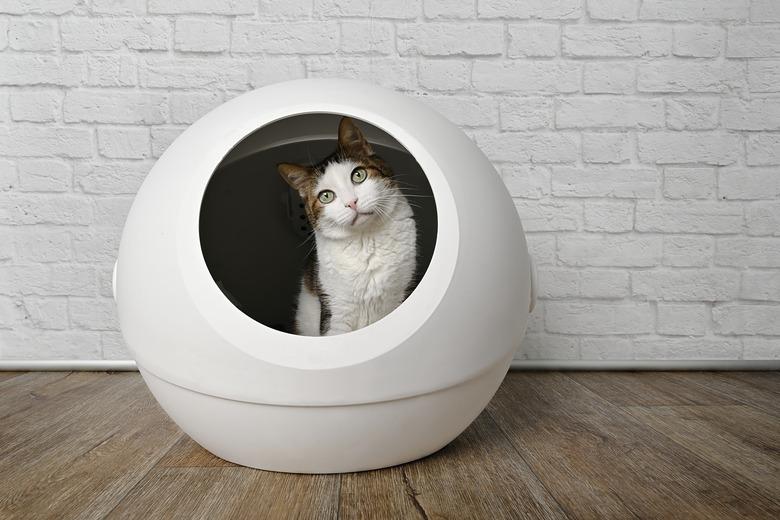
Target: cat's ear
351	138
295	175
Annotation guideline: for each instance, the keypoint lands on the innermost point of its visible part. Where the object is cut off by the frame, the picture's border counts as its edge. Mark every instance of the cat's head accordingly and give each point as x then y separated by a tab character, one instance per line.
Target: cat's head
350	191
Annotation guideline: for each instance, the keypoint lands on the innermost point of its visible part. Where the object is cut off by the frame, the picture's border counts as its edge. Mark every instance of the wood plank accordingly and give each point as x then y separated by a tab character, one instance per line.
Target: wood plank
187	453
743	390
478	475
5	376
648	389
78	457
230	492
599	461
767	381
737	439
31	388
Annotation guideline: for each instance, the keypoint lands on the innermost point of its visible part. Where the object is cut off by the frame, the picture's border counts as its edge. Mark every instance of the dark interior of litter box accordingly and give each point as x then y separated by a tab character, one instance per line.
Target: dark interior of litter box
254	233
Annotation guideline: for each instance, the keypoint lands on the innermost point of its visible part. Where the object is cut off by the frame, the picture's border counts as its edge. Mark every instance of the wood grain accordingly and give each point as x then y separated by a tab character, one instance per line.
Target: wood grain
599	461
551	445
481	472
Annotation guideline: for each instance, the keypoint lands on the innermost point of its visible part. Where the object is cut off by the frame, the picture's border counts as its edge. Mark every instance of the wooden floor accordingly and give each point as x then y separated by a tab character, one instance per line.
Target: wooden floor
550	445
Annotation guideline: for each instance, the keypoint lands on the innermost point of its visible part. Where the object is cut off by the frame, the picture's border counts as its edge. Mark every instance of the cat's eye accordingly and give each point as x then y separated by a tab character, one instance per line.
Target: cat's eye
359	175
326	196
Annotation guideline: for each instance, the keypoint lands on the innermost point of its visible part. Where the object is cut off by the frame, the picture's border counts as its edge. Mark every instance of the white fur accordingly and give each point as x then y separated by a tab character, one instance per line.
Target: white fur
365	264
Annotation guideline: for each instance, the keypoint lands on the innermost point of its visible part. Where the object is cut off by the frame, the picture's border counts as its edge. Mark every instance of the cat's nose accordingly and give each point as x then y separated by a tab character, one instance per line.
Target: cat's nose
352	204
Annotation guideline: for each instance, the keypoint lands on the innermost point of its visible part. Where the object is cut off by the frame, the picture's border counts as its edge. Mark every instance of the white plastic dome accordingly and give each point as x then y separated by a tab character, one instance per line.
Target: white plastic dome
391	392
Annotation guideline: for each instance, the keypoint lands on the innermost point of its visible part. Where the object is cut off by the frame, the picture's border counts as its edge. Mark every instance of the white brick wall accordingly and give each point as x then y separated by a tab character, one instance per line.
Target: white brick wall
640	139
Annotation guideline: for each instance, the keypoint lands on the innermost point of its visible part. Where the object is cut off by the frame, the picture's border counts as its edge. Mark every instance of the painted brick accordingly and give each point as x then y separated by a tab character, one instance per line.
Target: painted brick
321	37
36	69
114	178
202	35
620	10
548	346
605	181
760	348
113	346
550	215
446	39
543	9
220	73
42	141
761	285
694	10
609	78
688	147
124	142
753	41
46	175
698	41
748	252
526	113
606	348
9	179
687	348
465	111
682	320
567	283
372	36
390	72
44	312
38	6
274	69
444	75
162	137
764	11
38	106
228	7
689	183
115	106
689	76
92	314
50	344
33	35
526	77
542	248
748	183
449	9
609	112
616	40
539	147
756	114
127	7
112	71
763	218
599	318
763	149
48	280
43	245
605	147
764	75
188	107
527	181
689	217
688	251
692	113
609	251
746	319
609	216
109	34
686	285
533	40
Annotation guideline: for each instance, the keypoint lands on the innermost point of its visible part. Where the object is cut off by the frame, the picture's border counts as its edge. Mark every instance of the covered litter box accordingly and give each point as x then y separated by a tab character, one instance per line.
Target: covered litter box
209	266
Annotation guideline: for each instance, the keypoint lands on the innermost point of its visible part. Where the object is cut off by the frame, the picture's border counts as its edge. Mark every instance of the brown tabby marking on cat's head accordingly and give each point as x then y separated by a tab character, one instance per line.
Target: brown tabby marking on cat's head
352	145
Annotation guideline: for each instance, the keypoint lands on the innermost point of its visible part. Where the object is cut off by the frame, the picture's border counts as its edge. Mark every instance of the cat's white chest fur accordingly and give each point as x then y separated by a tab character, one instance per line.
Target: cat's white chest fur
364	277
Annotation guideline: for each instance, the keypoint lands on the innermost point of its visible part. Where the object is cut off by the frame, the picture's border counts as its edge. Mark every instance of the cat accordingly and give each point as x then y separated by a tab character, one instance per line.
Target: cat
364	258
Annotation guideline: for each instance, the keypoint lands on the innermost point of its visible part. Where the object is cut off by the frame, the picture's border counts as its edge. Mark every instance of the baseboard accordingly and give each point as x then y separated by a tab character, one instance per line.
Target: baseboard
62	365
518	364
646	364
